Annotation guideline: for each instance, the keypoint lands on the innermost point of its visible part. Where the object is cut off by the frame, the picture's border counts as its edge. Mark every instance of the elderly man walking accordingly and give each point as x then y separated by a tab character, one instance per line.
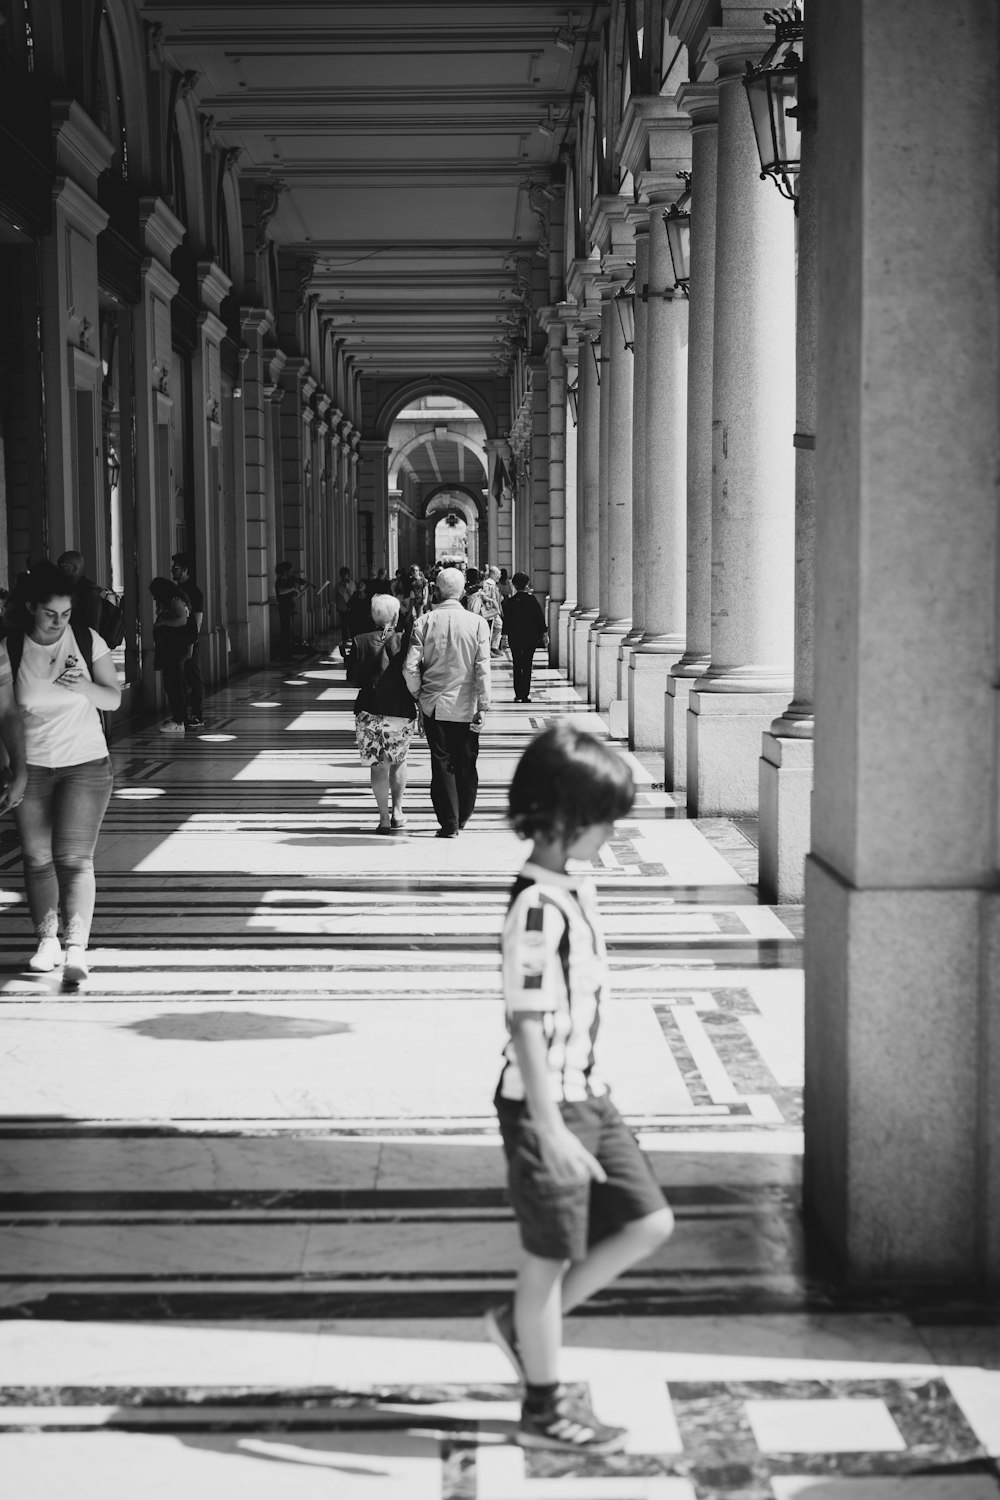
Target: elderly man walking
447	669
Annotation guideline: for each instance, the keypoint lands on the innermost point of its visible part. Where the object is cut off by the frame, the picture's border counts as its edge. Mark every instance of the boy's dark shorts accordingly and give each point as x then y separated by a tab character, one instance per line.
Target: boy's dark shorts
560	1221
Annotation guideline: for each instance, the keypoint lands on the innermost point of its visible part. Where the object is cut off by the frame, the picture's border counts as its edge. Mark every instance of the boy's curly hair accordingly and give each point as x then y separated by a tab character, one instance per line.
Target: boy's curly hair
565	781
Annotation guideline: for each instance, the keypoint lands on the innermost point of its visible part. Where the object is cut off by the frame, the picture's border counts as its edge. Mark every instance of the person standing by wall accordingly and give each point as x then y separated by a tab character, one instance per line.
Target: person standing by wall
85	593
447	669
194	686
524	627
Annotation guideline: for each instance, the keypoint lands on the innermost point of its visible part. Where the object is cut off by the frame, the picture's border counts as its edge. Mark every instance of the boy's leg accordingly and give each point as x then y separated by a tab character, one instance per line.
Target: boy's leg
538	1318
629	1216
609	1258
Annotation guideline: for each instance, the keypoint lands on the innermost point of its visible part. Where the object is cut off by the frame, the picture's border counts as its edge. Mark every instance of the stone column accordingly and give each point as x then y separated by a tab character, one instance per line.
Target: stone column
255	324
614	626
786	765
753	480
206	437
555	329
619	718
902	893
588	490
571	350
664	437
161	234
701	102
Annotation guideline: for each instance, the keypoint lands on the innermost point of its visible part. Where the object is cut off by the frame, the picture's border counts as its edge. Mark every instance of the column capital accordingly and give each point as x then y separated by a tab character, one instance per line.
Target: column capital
255	322
160	230
726	50
580	281
700	101
214	285
610	227
654	142
81	149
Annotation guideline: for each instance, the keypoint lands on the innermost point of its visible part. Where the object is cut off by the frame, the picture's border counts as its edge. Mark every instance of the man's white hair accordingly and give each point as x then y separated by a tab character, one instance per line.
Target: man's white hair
451	583
385	609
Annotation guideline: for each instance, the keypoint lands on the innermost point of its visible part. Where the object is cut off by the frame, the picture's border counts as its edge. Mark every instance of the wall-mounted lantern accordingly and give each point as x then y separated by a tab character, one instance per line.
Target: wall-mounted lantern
677	218
597	358
572	398
114	467
624	300
772	92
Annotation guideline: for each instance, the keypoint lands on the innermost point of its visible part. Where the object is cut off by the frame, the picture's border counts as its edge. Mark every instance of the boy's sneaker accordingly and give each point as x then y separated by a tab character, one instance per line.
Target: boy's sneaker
194	724
171	726
568	1426
499	1323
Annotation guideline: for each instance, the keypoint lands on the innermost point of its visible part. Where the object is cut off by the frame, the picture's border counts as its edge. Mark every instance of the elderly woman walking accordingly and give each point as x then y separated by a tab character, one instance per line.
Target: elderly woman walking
384	711
63	678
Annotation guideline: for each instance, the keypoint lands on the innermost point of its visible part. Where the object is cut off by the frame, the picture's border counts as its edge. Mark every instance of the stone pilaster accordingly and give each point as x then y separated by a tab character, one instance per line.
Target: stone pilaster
161	233
786	765
664	439
206	440
701	103
902	1173
753	488
571	355
588	489
555	329
256	324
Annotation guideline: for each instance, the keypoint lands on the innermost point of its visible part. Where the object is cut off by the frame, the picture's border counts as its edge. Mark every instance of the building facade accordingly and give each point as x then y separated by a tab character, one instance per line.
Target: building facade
245	253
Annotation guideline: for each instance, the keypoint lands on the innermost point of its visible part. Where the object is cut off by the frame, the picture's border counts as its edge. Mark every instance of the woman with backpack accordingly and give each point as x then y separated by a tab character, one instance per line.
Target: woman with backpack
384	711
63	680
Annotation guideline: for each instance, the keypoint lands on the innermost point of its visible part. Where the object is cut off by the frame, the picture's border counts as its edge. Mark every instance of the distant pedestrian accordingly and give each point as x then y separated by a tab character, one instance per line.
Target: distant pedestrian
586	1203
287	593
194	686
447	670
524	627
343	594
384	711
86	594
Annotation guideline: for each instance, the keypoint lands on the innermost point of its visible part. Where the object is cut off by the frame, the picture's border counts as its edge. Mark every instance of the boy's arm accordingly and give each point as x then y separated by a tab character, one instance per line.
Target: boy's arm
565	1157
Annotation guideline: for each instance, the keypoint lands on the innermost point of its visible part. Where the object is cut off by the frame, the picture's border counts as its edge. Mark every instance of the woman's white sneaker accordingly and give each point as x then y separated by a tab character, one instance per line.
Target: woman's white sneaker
75	969
47	957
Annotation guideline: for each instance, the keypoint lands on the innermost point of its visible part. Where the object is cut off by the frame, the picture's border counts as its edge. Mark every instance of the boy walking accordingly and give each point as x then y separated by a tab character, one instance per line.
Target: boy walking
585	1199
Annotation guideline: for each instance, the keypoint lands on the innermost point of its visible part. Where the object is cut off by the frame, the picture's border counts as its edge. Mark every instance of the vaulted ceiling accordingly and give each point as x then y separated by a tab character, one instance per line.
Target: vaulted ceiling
407	139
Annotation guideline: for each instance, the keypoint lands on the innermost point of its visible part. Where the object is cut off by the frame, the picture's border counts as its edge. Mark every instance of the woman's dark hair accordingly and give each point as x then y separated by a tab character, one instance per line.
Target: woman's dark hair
565	781
45	582
163	590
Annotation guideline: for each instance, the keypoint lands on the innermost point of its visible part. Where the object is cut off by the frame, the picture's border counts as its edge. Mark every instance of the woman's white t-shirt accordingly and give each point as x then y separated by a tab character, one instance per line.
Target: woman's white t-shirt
61	728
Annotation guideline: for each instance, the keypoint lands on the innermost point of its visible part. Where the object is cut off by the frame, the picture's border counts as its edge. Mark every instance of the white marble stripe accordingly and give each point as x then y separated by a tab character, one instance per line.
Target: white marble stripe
706	1059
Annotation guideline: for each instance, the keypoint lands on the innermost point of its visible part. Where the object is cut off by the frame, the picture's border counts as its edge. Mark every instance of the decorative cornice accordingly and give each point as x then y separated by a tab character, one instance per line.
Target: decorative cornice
214	286
82	151
700	101
160	229
609	226
77	202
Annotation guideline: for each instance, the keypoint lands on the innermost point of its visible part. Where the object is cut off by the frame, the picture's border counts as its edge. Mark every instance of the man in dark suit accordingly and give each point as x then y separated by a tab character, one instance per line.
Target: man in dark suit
524	627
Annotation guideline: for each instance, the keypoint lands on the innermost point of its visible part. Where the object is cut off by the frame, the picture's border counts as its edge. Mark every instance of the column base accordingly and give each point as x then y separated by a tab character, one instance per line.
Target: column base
596	626
607	648
900	1185
581	634
649	672
675	713
562	635
723	749
786	778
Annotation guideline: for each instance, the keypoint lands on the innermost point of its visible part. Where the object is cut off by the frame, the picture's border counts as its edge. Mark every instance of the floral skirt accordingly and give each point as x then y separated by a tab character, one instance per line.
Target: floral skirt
382	737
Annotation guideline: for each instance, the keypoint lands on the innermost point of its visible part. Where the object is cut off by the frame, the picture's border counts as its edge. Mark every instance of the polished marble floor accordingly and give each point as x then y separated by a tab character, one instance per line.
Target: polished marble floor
251	1194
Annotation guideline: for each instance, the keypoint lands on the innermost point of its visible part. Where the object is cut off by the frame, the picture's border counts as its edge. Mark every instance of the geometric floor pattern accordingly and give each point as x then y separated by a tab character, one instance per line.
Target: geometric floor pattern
251	1192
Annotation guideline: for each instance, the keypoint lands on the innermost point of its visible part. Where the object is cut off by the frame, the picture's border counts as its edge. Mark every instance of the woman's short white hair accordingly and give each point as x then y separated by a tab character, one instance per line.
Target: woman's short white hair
385	609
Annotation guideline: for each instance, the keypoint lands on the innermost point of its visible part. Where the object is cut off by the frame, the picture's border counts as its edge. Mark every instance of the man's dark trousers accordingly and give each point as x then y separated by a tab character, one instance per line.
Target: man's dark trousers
454	778
195	685
521	658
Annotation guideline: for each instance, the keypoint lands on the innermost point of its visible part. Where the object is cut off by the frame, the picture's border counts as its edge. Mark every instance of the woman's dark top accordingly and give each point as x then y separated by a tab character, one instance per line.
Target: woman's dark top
377	669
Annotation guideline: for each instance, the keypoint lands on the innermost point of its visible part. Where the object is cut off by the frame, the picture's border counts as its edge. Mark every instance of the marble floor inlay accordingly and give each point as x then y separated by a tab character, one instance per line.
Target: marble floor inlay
251	1191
